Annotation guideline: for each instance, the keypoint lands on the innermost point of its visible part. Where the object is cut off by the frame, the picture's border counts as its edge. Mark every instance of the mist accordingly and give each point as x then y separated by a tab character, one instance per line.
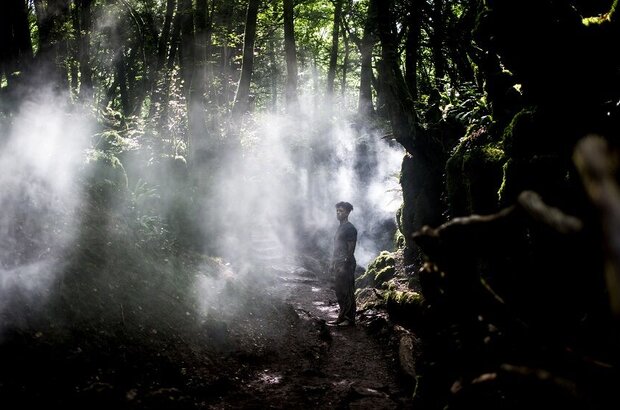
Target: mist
279	196
41	161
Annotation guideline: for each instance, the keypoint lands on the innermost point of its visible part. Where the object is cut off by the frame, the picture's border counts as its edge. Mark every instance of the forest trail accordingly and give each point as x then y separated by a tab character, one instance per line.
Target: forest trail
320	366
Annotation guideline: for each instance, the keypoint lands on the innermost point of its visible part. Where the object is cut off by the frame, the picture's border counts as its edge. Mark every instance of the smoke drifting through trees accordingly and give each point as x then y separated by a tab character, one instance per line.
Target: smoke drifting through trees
293	169
84	178
42	154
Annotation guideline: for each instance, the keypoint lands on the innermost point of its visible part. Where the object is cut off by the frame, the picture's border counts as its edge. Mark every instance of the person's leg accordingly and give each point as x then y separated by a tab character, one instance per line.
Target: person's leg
341	288
349	308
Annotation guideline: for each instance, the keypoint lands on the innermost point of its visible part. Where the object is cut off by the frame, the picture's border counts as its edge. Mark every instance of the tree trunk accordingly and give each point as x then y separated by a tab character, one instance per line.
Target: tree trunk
345	65
247	66
158	90
50	15
15	44
86	72
437	41
121	74
163	94
412	46
399	101
421	176
273	63
364	106
291	56
202	34
459	43
187	55
333	55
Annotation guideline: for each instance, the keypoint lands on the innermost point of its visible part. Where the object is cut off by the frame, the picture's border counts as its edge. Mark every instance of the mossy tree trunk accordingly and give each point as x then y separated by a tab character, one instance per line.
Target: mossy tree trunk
421	176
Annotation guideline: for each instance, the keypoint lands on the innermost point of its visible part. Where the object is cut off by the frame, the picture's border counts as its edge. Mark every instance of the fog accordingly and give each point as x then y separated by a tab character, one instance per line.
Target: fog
279	196
41	158
269	202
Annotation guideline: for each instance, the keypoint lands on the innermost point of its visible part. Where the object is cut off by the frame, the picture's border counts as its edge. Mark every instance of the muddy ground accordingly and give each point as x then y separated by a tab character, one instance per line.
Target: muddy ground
273	350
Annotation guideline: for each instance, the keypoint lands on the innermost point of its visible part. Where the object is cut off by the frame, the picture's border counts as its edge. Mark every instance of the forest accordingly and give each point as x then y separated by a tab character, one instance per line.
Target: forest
169	171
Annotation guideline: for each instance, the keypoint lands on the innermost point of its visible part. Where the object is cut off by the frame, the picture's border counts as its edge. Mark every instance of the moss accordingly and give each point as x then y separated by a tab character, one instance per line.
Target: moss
399	239
473	174
520	136
503	189
603	18
380	270
404	298
405	306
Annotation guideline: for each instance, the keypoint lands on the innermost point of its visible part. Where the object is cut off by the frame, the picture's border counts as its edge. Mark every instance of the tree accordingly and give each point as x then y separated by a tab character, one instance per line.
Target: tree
247	65
412	46
84	29
365	106
333	55
15	44
291	55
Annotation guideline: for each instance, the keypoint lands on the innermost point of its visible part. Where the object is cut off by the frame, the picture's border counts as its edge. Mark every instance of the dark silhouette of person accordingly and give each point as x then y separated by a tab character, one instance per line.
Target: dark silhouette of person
343	266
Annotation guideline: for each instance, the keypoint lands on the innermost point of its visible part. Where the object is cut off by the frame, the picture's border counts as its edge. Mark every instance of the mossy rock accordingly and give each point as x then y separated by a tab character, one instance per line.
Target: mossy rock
404	298
474	174
405	306
521	135
379	271
367	298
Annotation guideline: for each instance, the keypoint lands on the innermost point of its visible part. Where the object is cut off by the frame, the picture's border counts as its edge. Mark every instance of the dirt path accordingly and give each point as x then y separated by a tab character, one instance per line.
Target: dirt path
319	366
270	349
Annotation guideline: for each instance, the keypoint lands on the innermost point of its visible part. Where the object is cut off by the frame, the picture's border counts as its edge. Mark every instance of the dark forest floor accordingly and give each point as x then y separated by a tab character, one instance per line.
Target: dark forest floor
274	352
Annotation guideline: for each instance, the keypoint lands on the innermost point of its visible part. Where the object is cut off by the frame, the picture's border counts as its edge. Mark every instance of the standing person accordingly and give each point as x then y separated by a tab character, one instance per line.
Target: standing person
343	265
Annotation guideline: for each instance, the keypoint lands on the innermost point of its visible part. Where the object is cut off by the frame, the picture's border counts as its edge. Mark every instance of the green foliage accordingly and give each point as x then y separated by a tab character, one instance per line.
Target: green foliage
467	105
149	226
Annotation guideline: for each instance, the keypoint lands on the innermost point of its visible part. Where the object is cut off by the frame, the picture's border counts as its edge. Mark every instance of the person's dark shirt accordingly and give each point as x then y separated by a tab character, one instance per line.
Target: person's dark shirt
346	233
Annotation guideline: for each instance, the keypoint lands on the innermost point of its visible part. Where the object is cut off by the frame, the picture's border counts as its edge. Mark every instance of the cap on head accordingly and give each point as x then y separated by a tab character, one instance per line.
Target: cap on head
345	205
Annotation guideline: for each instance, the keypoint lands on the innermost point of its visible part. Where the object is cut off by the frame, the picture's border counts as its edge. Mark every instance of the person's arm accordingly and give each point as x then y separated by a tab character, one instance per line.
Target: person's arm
350	250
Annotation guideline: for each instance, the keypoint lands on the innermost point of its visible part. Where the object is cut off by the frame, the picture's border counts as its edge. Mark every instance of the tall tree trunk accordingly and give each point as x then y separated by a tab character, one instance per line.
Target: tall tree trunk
86	72
273	63
158	90
365	106
74	65
15	44
202	33
459	41
192	89
121	74
333	55
437	41
345	65
187	55
164	94
247	65
197	104
412	45
400	103
291	55
51	15
421	176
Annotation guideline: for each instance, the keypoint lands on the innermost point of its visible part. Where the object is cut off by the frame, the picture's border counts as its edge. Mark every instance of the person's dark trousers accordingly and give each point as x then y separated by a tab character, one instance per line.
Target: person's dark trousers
345	290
